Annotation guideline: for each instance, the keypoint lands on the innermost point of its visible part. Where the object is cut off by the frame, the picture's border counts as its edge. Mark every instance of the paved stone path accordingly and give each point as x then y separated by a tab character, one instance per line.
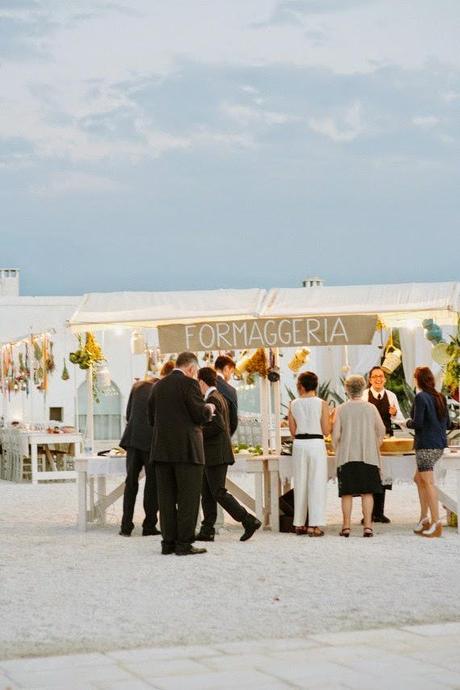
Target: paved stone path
425	657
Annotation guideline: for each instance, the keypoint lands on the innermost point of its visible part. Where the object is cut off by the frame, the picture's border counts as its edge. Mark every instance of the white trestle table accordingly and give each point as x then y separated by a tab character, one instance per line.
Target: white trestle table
20	443
93	500
396	468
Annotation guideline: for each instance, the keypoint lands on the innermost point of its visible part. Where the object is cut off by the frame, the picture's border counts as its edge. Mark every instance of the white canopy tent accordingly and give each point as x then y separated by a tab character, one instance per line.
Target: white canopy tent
402	306
99	311
397	305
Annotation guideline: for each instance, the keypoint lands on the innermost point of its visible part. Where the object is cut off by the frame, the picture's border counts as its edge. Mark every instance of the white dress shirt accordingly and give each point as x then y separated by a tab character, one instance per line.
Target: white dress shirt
398	418
209	391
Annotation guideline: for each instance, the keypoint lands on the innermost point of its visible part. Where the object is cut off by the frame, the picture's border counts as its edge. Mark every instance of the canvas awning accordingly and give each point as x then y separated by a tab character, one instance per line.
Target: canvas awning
100	311
397	304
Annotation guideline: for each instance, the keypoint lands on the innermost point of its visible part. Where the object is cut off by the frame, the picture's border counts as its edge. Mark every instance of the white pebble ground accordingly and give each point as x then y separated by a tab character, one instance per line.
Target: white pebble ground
63	592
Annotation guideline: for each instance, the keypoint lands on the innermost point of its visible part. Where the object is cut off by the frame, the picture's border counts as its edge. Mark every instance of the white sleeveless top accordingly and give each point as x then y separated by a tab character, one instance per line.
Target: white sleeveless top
307	415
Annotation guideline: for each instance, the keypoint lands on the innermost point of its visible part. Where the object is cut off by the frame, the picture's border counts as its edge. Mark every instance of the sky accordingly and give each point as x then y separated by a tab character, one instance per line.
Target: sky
194	144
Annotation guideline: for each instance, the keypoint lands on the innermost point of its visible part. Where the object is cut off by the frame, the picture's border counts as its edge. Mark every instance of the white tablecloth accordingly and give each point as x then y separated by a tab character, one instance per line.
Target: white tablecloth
396	468
101	465
22	438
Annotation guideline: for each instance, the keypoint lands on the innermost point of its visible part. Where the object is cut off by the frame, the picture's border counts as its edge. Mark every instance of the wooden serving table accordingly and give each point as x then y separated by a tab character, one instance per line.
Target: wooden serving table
257	465
22	443
38	438
93	500
91	468
396	468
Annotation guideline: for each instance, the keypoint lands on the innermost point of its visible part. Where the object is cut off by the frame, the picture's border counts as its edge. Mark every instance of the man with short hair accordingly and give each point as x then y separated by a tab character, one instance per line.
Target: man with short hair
136	440
225	366
387	405
177	412
218	456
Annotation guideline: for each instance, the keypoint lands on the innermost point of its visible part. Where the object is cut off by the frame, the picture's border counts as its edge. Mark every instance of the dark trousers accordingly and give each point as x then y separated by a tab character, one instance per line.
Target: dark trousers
135	460
214	492
379	504
179	486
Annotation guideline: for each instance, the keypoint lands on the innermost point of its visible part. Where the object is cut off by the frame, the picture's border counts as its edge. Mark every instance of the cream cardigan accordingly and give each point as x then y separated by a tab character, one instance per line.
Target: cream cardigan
357	434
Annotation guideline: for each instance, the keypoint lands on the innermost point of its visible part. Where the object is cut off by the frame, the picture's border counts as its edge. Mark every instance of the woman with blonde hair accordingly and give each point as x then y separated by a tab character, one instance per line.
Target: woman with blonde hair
430	420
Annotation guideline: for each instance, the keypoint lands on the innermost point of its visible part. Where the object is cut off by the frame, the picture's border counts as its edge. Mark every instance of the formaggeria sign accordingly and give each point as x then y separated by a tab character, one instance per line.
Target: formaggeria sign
253	333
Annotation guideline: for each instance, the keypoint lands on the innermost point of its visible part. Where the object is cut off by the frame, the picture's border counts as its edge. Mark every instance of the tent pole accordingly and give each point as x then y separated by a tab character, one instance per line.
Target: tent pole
265	413
4	403
277	406
31	376
45	375
89	433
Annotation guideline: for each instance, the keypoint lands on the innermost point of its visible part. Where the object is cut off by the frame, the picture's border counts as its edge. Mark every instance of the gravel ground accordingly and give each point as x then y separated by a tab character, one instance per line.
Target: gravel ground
63	592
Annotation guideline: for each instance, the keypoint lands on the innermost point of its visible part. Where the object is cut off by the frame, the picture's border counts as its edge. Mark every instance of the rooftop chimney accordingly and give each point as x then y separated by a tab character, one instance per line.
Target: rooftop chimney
9	282
313	282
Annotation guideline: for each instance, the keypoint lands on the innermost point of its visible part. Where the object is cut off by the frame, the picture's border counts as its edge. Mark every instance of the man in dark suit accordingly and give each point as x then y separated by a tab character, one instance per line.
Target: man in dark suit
225	366
136	440
177	412
218	456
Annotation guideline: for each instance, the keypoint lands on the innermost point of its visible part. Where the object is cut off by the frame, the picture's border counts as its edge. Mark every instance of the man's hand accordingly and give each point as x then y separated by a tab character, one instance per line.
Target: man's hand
393	411
212	407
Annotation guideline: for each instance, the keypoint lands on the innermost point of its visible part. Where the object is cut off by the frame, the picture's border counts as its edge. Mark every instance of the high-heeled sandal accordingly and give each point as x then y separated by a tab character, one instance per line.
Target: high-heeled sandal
315	532
368	532
422	525
345	532
434	531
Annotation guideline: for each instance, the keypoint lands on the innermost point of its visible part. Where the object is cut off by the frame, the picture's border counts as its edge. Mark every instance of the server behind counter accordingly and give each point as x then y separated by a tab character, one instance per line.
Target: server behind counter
387	406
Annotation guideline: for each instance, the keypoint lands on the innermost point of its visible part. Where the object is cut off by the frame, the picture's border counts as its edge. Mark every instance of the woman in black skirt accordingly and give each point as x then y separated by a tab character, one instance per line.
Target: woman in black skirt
357	435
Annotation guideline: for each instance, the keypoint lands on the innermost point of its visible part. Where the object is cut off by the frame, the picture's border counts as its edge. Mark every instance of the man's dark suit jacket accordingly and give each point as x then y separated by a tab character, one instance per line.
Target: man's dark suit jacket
231	397
138	431
177	411
216	434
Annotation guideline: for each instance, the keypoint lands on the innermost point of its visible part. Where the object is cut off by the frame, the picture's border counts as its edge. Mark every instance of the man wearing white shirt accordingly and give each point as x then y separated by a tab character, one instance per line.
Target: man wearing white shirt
387	405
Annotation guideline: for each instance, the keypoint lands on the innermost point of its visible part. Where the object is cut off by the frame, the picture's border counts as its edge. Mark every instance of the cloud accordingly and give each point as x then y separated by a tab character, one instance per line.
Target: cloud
15	161
75	182
348	129
295	11
245	115
247	88
451	96
426	121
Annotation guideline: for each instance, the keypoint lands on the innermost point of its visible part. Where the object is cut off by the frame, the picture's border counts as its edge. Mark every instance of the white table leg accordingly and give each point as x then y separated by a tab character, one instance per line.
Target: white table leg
91	498
458	501
34	463
259	491
274	500
267	495
101	491
82	507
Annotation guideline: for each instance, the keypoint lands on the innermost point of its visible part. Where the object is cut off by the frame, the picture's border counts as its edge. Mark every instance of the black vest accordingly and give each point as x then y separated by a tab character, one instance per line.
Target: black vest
383	406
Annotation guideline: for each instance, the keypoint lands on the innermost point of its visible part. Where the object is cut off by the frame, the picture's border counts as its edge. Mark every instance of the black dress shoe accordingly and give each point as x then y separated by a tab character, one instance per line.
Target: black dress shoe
249	529
122	533
381	518
192	551
151	532
204	536
167	549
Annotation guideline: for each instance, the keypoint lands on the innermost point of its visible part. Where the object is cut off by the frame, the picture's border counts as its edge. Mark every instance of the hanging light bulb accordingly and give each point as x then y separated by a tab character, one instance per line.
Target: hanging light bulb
138	345
103	378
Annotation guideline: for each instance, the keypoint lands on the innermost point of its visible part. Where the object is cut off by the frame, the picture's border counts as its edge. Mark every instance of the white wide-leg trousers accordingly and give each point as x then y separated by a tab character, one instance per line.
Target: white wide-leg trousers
309	459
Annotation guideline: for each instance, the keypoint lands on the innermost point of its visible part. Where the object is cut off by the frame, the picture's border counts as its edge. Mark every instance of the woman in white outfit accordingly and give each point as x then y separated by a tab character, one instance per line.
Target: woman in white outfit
309	422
